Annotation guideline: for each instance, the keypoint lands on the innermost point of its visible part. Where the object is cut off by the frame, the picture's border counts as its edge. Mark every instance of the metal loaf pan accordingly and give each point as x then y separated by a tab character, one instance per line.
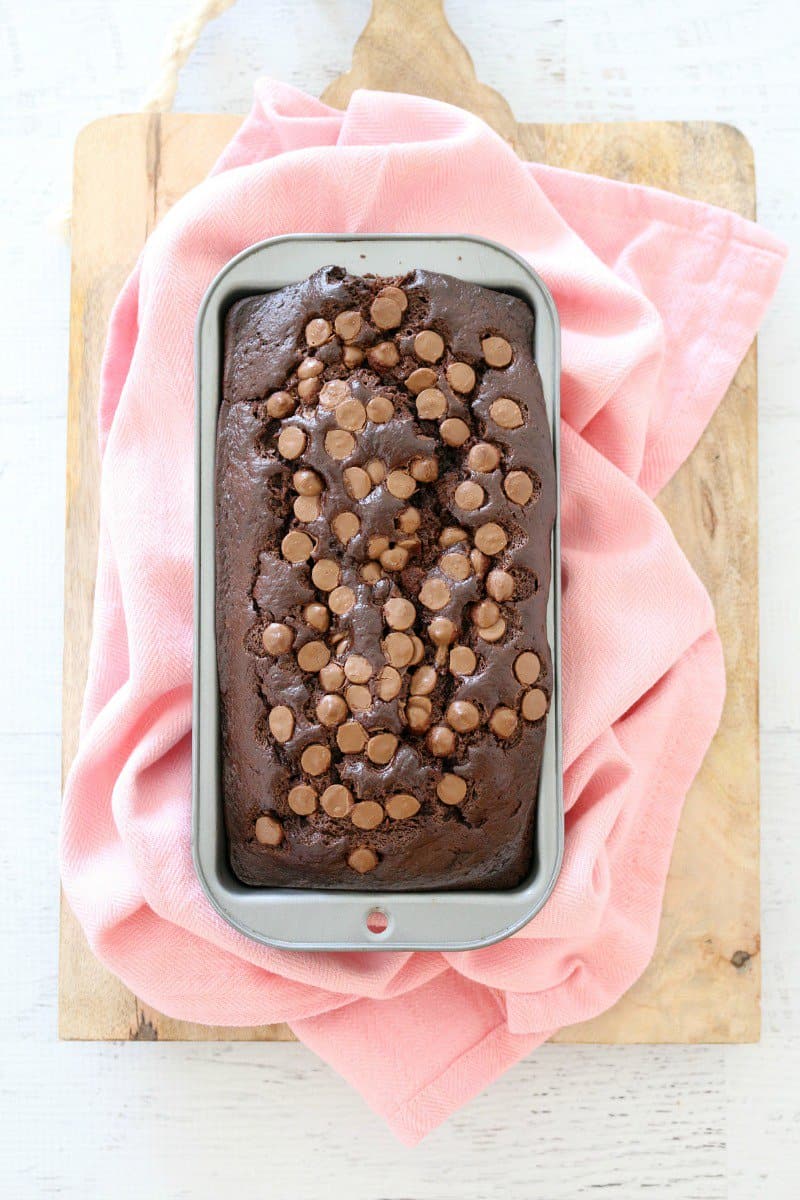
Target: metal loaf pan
304	919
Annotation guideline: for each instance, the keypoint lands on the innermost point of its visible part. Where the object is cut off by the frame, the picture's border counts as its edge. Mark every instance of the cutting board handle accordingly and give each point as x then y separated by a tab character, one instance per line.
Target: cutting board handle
408	45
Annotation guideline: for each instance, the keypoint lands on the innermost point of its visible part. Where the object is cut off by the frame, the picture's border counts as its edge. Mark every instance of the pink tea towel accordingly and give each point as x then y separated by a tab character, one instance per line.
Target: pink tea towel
659	299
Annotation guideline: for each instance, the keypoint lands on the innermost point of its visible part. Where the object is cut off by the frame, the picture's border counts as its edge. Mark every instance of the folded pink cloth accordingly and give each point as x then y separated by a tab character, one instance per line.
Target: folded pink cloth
659	299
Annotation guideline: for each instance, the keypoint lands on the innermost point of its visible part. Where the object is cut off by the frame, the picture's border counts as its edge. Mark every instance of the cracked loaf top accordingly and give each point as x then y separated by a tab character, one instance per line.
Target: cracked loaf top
385	501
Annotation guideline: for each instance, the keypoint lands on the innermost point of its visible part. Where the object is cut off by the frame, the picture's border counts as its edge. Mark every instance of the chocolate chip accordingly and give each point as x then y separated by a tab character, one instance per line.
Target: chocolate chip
506	413
385	312
483	457
534	704
451	789
494	633
351	415
307	389
280	404
461	377
357	668
419	650
310	368
485	613
400	484
398	649
463	716
333	394
425	470
442	631
423	681
331	710
318	332
462	660
399	613
455	566
479	561
368	814
441	741
371	572
496	351
435	594
394	559
454	431
401	806
339	443
348	325
315	759
527	667
418	713
389	683
451	535
313	656
362	859
326	574
337	800
307	483
351	738
428	346
269	832
420	379
397	294
281	723
380	410
384	356
341	600
518	487
431	404
277	638
409	520
381	748
500	584
345	525
358	697
302	800
357	482
503	722
469	495
331	677
491	538
307	508
291	442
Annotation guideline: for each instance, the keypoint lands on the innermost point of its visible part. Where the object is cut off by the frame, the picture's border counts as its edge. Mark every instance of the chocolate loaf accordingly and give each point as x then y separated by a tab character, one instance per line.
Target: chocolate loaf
385	502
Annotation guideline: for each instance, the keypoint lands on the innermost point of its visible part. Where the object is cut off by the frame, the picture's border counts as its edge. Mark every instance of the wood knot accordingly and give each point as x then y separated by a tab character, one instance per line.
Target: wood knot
708	511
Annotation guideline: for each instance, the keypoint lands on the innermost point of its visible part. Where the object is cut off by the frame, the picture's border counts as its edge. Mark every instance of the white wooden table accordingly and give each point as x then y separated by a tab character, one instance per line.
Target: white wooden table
177	1120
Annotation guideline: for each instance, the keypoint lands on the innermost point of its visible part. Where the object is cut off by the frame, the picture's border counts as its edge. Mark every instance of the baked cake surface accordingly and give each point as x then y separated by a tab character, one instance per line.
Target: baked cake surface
385	502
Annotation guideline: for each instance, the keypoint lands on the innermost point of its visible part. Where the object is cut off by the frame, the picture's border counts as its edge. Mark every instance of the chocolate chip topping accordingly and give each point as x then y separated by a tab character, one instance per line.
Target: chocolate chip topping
461	377
401	806
362	859
348	325
269	832
318	332
496	351
386	660
421	379
428	346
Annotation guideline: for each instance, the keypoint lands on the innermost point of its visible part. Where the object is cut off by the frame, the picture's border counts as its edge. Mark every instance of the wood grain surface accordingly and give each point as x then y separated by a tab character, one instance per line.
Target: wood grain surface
703	983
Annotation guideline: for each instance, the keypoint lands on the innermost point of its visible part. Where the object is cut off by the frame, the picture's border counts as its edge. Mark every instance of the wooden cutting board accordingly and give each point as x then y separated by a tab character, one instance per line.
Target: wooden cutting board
703	983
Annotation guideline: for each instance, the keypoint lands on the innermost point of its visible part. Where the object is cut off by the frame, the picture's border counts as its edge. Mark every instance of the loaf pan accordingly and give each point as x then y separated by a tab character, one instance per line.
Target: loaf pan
305	919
